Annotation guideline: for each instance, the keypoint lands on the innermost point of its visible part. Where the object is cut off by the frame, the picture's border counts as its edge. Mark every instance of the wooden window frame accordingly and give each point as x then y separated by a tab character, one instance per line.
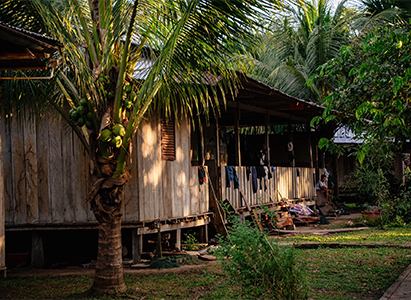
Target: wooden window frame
168	138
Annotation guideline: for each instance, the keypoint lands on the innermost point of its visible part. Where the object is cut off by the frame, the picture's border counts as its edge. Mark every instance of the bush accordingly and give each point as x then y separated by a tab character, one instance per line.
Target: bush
262	268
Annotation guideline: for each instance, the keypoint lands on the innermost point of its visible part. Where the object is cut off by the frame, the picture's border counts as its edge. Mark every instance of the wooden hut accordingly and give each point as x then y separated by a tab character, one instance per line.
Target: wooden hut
281	126
20	50
46	172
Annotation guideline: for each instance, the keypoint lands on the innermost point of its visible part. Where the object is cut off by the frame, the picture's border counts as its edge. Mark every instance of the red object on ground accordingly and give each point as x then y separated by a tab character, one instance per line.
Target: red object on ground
371	214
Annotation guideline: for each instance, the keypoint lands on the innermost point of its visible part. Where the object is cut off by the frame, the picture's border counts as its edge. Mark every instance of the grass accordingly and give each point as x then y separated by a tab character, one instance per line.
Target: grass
392	236
338	273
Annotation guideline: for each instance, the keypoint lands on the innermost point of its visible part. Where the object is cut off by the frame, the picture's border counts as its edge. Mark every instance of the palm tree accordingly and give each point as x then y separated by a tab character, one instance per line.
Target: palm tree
188	43
306	36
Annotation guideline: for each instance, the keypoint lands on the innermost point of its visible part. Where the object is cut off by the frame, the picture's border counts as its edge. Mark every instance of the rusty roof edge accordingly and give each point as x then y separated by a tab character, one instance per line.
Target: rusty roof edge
41	39
247	78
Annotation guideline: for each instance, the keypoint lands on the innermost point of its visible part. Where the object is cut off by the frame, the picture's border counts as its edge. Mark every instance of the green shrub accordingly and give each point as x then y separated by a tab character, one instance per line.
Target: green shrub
259	266
191	243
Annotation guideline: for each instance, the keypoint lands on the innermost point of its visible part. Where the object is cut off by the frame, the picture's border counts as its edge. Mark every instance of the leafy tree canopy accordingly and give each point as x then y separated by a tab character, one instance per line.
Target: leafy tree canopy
372	88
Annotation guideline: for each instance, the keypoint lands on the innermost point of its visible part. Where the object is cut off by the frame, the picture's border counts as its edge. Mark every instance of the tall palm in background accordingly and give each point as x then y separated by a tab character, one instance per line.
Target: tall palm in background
375	7
187	43
310	33
303	38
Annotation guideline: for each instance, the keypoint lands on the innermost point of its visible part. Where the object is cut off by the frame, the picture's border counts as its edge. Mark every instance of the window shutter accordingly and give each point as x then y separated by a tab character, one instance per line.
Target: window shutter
168	139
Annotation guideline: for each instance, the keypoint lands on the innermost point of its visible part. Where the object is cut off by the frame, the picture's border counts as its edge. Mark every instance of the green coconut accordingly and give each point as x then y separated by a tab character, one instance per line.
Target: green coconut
106	135
81	122
89	116
81	110
116	142
83	102
73	114
89	125
119	130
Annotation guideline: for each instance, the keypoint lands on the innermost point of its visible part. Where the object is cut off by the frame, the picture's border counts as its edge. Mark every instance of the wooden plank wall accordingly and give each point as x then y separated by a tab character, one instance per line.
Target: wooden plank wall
245	184
46	176
166	189
287	182
2	218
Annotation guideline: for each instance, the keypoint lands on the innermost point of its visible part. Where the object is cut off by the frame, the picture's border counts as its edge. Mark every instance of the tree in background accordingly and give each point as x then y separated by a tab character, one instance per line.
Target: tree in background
186	41
299	40
372	97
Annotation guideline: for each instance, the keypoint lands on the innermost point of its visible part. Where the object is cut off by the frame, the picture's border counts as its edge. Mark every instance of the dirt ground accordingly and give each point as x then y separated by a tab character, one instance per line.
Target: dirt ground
81	271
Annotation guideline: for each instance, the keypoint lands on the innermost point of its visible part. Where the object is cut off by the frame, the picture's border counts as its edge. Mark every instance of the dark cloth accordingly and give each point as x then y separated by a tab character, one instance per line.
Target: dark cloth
248	172
261	175
260	172
231	175
269	174
254	179
201	174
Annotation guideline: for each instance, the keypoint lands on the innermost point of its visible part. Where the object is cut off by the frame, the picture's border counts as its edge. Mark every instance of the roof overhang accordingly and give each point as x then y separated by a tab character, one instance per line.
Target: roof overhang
25	50
255	100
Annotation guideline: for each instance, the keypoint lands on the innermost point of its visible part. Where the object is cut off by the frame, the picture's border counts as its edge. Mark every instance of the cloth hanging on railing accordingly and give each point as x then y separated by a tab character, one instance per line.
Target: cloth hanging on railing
201	174
254	179
231	175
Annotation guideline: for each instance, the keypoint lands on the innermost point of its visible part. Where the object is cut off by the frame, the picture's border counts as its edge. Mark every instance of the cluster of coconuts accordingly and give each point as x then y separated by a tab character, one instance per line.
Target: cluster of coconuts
81	115
114	136
131	97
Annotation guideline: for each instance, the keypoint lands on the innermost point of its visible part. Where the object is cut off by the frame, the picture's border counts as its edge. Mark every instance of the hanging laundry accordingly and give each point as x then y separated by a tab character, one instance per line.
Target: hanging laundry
231	175
201	174
254	179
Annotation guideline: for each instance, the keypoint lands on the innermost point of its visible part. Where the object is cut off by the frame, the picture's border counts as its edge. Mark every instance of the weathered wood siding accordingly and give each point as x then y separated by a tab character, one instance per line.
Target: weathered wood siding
45	173
166	189
287	182
2	219
46	176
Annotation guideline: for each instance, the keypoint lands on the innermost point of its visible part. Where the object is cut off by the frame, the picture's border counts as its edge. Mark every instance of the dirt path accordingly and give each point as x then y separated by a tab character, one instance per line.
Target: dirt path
25	272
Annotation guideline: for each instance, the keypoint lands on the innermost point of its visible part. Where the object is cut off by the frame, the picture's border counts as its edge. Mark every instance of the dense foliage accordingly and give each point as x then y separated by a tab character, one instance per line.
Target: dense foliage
372	88
262	268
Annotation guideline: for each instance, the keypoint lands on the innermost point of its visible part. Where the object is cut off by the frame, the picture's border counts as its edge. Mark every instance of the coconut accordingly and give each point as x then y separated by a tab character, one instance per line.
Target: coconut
89	125
81	110
83	102
80	122
74	115
119	130
116	142
106	135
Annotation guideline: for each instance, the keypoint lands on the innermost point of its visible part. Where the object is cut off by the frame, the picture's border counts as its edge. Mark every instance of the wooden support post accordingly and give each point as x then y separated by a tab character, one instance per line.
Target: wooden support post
267	135
159	248
253	213
310	145
178	239
204	234
2	215
202	150
137	240
237	137
217	143
291	139
37	250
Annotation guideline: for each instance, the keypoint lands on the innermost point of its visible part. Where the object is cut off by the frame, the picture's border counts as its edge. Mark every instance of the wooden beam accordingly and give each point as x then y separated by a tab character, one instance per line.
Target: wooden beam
22	55
37	250
267	111
267	136
310	145
237	136
217	129
137	245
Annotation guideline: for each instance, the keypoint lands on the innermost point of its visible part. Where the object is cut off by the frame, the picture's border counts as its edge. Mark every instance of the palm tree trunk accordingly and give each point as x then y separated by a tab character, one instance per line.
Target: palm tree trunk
106	199
109	270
